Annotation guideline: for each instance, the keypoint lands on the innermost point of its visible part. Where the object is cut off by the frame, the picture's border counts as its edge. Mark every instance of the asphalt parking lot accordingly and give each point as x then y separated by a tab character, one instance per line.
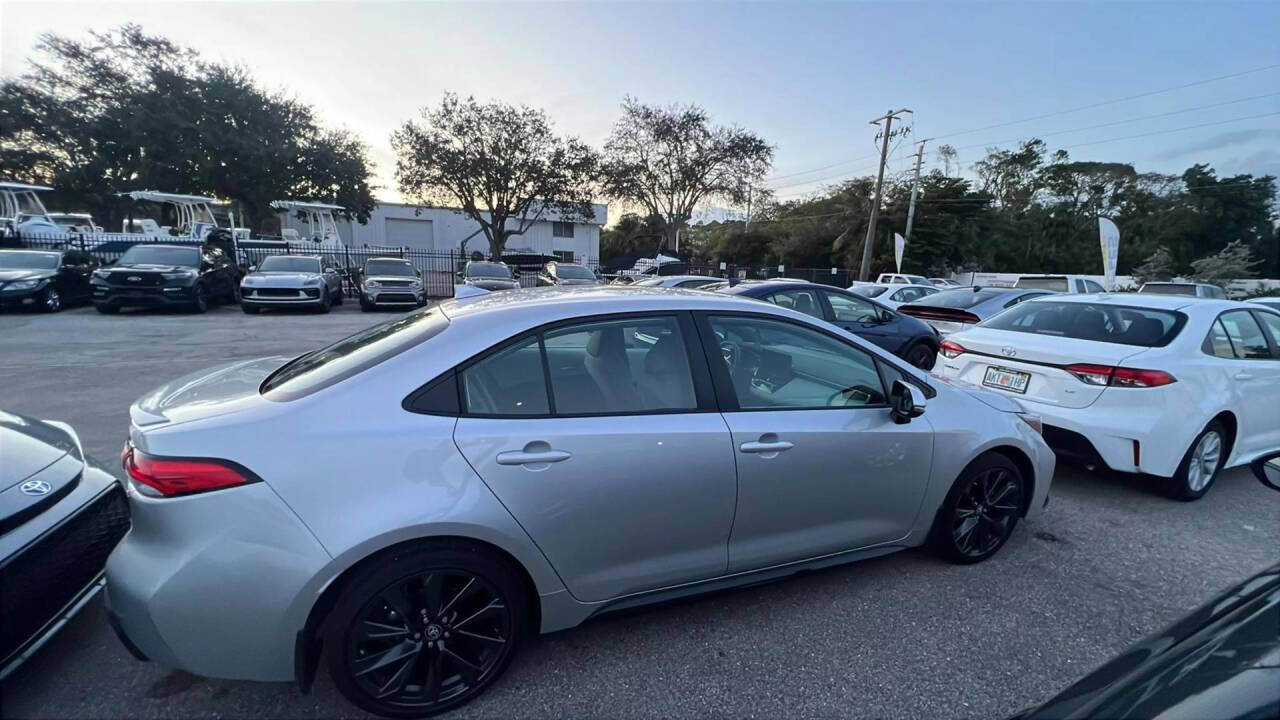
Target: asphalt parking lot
900	636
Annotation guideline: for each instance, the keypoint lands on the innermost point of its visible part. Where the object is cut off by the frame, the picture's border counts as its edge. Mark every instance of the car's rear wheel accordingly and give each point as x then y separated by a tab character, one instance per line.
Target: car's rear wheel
981	510
1201	464
424	630
921	355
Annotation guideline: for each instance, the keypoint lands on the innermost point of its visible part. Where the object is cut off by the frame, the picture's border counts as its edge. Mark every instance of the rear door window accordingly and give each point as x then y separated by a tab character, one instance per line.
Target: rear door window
849	309
1246	336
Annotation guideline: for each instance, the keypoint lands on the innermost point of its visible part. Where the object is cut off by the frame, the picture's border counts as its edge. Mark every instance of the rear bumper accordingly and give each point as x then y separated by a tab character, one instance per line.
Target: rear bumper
212	583
1135	437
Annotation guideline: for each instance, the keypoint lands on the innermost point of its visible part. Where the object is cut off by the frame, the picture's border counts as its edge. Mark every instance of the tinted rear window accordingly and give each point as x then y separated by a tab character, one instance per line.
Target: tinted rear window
1100	322
1169	289
351	355
961	299
1056	284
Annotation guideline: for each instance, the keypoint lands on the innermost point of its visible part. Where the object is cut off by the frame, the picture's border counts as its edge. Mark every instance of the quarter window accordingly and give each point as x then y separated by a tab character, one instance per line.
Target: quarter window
1246	337
778	365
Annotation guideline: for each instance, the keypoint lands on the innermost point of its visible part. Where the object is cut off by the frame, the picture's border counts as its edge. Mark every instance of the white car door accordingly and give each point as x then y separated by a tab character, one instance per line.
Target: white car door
1255	370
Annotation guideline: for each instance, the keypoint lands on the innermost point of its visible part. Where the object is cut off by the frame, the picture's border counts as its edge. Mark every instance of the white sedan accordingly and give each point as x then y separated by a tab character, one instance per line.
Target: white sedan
891	295
1176	387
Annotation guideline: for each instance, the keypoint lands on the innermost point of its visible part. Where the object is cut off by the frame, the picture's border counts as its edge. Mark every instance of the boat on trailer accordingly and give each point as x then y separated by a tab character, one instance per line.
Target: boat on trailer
322	226
22	213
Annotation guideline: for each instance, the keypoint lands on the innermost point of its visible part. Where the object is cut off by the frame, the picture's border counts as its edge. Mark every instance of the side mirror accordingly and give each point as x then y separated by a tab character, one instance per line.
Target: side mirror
1267	468
906	401
253	268
459	273
331	270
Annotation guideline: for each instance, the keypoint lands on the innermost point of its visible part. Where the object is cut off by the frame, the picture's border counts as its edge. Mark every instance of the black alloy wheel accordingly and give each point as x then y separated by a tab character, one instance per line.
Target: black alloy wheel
981	510
922	356
427	641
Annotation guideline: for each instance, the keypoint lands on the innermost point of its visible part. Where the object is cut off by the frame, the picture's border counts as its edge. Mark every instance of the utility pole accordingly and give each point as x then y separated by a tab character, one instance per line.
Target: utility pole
915	187
748	228
875	203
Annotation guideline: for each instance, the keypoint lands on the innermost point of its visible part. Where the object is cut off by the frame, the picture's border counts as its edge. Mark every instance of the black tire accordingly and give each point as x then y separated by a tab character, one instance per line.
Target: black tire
233	296
365	305
199	299
474	589
338	297
50	300
921	355
1187	484
250	309
325	301
107	309
980	511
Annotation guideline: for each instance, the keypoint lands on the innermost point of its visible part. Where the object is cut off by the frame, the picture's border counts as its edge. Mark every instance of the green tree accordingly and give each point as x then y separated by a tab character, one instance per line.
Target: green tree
1156	268
670	160
124	110
502	165
1232	262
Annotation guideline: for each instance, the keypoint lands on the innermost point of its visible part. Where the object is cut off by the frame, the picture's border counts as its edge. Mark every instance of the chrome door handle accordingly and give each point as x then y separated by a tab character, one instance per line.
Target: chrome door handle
776	446
1243	376
520	457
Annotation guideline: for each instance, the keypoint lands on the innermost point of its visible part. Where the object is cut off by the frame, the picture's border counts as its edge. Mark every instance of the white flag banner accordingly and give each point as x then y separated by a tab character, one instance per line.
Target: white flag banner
1109	237
899	244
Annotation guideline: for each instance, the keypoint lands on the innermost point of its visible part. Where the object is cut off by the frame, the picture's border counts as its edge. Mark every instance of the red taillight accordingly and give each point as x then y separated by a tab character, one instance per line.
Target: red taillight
950	349
171	477
1119	376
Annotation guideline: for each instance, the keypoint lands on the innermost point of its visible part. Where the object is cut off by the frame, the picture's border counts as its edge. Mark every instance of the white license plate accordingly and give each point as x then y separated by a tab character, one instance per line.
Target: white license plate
1010	380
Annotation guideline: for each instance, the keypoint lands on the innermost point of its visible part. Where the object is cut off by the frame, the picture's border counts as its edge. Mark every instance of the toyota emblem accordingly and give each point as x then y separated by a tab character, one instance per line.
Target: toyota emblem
1008	351
36	487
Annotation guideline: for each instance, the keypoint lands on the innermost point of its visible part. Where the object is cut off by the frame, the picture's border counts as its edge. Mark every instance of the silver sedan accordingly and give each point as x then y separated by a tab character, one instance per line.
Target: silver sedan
519	462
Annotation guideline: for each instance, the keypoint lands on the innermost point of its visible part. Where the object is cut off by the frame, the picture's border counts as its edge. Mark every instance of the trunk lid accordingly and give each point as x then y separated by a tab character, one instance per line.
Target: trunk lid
1037	359
214	391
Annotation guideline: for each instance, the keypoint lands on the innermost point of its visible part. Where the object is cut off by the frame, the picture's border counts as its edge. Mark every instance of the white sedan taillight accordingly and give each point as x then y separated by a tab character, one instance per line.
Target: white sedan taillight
1106	375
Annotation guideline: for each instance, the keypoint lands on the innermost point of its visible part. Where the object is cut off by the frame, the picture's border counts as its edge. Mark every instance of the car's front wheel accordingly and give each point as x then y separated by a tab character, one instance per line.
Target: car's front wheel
425	629
981	510
52	301
199	298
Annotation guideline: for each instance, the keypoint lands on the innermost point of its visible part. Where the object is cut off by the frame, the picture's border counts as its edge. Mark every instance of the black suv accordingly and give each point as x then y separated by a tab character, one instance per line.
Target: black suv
167	276
564	273
44	279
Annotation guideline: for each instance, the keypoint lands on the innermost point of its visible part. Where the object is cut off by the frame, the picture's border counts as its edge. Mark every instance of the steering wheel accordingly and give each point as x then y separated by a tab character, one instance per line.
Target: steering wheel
731	353
864	394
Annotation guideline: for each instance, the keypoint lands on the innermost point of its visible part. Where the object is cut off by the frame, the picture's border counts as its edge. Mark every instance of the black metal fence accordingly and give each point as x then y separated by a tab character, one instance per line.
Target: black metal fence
438	268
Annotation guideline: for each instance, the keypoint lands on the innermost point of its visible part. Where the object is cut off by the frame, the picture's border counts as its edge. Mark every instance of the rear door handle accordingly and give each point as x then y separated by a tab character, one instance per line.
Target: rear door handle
520	457
1243	376
765	447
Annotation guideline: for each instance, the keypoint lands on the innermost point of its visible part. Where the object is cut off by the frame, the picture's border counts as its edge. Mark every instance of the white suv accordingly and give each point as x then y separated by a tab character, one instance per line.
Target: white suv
1059	283
1172	386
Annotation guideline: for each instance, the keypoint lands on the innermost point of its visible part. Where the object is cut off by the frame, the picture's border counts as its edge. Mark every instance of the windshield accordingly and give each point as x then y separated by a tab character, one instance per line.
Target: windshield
398	268
17	260
160	255
574	272
351	355
488	270
917	280
284	263
1087	321
961	299
1056	284
869	290
1169	289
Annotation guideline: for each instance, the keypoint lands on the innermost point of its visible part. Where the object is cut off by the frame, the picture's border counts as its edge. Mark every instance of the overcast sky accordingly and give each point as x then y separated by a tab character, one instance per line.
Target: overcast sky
806	77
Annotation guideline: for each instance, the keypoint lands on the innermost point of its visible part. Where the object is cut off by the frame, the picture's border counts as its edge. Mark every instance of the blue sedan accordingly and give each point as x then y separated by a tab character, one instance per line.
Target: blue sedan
910	339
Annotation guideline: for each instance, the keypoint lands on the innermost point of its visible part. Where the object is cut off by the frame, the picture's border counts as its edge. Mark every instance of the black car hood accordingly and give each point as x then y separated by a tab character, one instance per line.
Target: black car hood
34	274
29	446
1222	660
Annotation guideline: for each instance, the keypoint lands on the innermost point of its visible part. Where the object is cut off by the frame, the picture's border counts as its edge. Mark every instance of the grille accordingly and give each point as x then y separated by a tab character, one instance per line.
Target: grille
395	283
146	279
47	575
276	292
396	297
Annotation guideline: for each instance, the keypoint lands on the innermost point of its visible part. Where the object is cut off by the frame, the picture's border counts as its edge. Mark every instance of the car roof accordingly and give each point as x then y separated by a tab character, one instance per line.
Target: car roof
388	258
779	284
1153	302
593	299
291	255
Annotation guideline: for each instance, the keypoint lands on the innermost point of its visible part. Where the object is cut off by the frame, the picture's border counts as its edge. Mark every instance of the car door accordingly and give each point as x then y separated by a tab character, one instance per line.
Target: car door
864	319
822	467
1254	370
602	438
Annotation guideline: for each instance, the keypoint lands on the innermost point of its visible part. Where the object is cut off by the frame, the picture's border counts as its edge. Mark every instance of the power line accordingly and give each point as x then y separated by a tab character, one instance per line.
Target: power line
1120	122
1113	102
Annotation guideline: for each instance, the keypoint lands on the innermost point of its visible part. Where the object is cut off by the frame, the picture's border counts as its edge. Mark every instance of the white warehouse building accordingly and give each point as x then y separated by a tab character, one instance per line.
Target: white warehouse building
445	229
